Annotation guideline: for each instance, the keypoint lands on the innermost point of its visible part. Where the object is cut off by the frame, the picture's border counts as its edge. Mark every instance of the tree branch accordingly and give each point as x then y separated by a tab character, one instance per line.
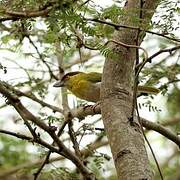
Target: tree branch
162	130
32	97
82	112
33	140
27	115
119	26
170	50
85	152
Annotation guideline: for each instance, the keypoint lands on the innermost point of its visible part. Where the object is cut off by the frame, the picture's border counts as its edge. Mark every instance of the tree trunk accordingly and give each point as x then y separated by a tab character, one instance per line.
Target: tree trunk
126	140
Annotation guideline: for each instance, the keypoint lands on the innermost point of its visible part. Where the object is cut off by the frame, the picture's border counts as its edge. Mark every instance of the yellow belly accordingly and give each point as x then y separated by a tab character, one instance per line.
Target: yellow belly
86	90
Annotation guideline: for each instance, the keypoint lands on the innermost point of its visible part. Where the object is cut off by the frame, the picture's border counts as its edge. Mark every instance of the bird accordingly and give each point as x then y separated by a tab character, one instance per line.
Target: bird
87	86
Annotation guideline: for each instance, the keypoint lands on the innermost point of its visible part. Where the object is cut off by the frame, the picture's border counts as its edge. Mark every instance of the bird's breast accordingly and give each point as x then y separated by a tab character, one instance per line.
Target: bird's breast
86	90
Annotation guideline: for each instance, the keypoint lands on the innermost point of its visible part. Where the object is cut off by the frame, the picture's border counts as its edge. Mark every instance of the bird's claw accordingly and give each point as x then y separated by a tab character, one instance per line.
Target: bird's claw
93	107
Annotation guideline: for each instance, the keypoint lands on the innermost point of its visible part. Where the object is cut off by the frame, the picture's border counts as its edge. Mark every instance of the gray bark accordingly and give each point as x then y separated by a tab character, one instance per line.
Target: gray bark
126	140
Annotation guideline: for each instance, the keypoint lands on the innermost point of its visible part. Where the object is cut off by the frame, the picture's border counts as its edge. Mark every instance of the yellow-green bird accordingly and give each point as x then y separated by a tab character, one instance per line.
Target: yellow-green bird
87	85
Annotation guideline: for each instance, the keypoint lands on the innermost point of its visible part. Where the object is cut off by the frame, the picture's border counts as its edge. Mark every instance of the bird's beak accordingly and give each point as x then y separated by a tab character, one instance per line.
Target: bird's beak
59	84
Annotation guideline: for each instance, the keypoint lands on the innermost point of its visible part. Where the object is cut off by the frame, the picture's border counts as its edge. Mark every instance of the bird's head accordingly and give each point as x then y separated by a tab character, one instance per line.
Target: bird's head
66	79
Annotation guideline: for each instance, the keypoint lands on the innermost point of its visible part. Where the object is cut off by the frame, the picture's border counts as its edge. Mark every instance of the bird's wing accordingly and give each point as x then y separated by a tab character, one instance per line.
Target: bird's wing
94	77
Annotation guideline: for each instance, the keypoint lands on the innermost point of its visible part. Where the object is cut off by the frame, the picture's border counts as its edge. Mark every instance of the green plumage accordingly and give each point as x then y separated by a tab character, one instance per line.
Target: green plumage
83	85
87	85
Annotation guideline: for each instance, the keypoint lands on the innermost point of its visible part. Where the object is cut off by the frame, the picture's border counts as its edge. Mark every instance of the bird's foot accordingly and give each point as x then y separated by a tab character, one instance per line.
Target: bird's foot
82	104
93	107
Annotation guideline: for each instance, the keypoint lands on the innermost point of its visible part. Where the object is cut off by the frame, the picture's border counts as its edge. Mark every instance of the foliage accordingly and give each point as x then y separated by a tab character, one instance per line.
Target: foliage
13	151
66	36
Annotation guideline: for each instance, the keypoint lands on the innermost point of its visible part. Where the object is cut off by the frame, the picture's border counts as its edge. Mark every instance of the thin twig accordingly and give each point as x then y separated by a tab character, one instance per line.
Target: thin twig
33	97
73	139
118	26
135	88
46	160
154	156
27	115
149	59
129	46
42	58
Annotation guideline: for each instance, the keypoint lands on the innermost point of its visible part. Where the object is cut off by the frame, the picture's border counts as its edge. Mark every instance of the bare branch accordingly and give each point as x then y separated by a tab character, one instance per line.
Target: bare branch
33	140
28	14
42	58
84	111
170	50
27	115
162	130
85	152
119	26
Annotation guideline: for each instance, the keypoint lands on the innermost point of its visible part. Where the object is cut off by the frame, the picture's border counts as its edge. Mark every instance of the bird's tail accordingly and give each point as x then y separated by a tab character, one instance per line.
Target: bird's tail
148	90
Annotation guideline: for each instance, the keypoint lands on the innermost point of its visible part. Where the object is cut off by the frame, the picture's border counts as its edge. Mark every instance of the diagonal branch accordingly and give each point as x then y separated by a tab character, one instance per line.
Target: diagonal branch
27	115
149	59
33	140
82	112
32	97
42	58
85	152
